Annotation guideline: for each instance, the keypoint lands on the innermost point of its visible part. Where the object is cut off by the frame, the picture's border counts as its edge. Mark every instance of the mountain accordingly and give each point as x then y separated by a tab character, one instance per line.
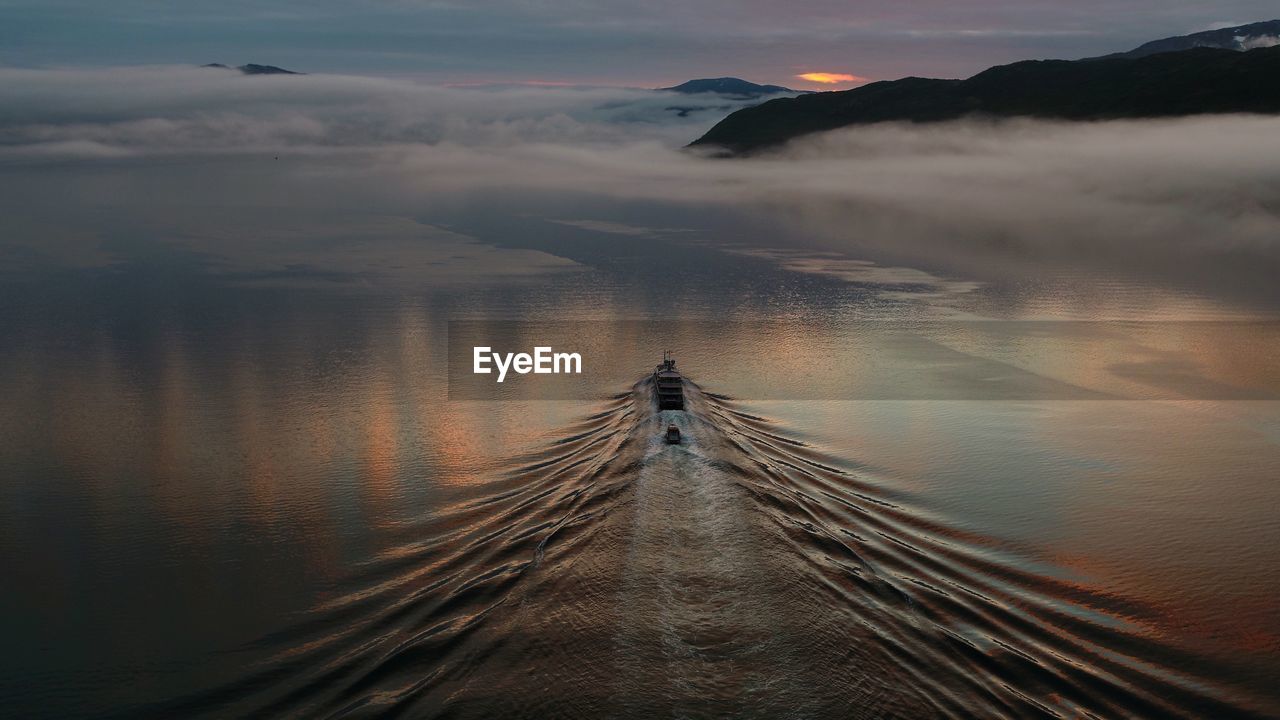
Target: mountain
1239	38
1191	82
736	87
254	69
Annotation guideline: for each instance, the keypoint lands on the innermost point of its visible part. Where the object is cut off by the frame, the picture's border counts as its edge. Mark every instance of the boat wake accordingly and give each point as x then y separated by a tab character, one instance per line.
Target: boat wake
738	573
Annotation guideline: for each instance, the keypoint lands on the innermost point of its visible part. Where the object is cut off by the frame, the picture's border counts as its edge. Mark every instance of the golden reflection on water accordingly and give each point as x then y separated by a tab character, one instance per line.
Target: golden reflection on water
1167	502
288	454
1177	508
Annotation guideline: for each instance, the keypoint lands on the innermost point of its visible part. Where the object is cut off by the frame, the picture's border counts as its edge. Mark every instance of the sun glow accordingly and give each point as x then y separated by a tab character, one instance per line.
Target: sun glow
831	78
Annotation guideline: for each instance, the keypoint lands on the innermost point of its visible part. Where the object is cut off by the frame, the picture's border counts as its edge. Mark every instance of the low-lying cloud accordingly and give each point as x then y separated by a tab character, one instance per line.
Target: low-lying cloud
1257	41
1191	196
168	109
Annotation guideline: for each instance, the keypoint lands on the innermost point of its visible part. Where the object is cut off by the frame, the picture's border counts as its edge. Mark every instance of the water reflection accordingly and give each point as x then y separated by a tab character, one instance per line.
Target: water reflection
195	457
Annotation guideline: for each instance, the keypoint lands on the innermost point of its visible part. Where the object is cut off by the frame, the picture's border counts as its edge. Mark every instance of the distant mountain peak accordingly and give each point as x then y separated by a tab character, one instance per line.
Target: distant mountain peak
736	87
1239	38
255	69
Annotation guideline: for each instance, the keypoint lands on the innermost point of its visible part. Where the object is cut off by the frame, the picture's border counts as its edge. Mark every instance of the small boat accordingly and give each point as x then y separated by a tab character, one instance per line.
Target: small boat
668	384
673	435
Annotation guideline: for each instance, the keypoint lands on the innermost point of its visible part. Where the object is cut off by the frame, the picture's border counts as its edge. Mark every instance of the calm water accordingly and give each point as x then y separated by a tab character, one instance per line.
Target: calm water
232	482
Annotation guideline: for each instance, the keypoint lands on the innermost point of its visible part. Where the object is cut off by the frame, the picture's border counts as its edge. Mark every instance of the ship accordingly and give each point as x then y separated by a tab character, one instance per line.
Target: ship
668	384
673	434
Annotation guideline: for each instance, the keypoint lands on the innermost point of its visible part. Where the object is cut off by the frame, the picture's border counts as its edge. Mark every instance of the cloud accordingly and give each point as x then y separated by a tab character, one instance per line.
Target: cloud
1196	199
155	109
826	78
1257	41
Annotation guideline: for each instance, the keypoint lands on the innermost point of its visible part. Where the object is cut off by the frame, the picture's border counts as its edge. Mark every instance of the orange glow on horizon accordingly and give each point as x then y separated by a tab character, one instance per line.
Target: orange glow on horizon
825	78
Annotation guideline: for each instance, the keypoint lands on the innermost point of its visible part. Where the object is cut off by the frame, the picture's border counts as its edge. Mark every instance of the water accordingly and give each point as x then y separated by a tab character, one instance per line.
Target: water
233	483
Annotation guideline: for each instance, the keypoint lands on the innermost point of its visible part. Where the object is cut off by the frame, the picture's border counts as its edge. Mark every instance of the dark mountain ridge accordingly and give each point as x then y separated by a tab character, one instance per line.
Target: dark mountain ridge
736	87
1240	38
1197	81
255	69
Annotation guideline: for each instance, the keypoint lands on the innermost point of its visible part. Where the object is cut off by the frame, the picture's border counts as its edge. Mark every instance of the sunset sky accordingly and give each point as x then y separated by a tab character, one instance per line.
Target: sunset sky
610	42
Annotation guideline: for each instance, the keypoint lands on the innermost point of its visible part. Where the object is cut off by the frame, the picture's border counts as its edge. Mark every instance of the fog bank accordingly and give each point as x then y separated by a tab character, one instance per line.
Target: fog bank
1197	195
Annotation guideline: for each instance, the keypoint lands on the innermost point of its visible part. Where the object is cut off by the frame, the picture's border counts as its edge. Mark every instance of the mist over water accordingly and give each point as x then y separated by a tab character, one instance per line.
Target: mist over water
235	483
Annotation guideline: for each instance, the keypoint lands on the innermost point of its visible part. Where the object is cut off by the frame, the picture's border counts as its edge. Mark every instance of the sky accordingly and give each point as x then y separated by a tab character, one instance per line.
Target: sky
599	42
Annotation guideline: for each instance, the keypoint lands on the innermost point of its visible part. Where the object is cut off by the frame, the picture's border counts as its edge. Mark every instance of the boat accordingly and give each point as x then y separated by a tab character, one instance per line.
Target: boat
668	384
673	434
